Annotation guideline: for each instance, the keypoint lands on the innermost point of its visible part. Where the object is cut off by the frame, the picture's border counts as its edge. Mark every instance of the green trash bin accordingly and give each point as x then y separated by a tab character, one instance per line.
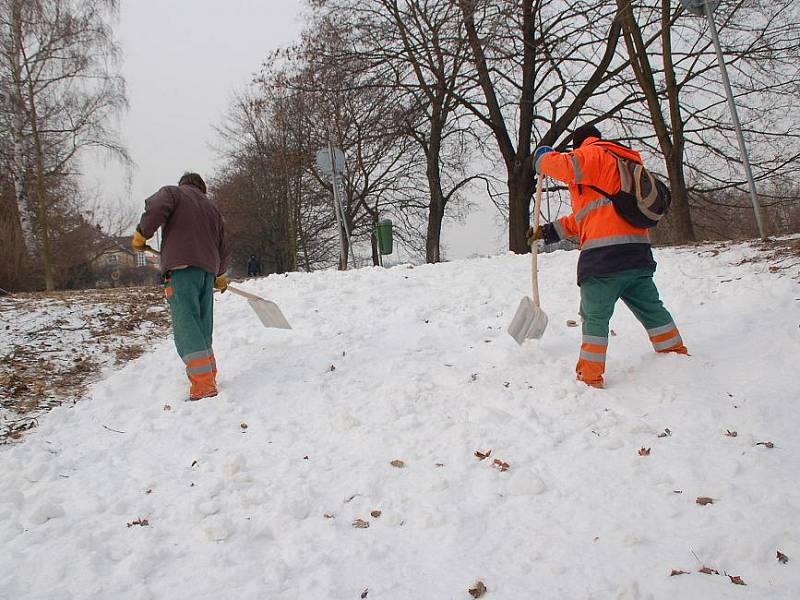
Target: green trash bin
383	231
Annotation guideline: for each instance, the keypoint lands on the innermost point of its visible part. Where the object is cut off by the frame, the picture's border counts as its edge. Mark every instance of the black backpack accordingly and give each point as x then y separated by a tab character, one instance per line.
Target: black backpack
642	198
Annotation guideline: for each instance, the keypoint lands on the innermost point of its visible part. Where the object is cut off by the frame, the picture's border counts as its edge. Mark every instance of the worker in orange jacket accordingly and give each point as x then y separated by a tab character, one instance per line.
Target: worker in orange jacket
616	261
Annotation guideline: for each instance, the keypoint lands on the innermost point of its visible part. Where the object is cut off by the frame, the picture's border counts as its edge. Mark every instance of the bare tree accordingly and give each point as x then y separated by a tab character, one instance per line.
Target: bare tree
670	134
417	50
675	66
350	106
538	63
56	63
260	189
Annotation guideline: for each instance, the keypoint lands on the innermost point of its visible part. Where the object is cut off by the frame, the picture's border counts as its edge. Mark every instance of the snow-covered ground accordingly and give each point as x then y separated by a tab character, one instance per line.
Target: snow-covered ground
53	344
134	493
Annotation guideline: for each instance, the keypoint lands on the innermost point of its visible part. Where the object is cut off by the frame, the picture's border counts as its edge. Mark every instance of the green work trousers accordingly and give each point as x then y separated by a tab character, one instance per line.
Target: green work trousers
599	294
190	293
635	288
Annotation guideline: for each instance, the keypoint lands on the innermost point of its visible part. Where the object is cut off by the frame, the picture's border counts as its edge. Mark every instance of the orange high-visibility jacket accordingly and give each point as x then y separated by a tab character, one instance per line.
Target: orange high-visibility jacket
608	242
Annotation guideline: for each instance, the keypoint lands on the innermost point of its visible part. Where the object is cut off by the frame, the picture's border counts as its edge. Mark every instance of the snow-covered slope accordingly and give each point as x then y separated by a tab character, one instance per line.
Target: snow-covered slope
254	494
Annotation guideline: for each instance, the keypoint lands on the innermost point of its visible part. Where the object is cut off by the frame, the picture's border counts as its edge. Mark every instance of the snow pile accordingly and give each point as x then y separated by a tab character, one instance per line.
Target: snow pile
339	461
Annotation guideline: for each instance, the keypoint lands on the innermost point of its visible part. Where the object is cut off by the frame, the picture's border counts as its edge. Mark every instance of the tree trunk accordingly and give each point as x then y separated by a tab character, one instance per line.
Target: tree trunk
520	191
345	250
437	199
681	215
433	236
27	219
42	202
517	160
373	240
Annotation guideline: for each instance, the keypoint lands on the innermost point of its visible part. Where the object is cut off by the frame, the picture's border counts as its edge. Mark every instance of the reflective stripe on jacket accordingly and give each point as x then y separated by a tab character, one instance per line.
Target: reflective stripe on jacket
608	242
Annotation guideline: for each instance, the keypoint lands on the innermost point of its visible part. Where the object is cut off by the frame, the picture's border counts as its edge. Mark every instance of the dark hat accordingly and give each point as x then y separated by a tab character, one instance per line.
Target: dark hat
583	132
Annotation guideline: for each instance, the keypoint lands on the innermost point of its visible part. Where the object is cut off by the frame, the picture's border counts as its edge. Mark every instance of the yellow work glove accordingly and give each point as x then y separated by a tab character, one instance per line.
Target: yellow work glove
221	283
138	243
534	235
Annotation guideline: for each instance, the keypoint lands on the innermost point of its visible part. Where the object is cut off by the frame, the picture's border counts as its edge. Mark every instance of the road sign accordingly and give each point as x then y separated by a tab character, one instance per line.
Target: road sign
324	160
697	7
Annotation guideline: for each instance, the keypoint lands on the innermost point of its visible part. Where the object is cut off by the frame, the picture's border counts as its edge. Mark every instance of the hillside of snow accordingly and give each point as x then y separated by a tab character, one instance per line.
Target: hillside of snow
283	487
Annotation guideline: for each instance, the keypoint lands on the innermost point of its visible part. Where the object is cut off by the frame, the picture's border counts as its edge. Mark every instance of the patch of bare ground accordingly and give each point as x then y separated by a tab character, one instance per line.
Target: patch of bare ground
56	344
780	256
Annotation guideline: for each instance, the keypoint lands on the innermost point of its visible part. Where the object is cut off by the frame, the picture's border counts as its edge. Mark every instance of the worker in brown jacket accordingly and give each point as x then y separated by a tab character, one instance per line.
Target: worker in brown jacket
194	258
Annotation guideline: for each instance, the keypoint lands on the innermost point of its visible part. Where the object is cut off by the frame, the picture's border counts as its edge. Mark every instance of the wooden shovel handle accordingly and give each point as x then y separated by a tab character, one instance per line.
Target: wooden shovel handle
243	294
537	205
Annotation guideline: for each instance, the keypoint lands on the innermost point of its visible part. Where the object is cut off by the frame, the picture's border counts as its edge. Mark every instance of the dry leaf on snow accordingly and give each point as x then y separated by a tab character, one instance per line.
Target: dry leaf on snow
703	500
398	463
376	513
644	451
140	522
502	465
365	592
766	444
329	516
737	580
477	590
730	433
360	524
782	558
678	572
708	571
481	455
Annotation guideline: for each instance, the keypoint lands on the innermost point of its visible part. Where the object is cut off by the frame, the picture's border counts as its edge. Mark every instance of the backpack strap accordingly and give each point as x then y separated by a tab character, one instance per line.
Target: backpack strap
599	191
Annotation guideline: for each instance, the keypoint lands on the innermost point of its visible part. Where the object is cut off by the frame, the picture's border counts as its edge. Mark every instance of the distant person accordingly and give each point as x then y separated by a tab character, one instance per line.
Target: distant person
615	260
253	266
194	258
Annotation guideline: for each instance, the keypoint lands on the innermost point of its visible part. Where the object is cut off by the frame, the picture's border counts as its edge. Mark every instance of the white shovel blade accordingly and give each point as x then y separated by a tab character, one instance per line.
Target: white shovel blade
529	321
269	313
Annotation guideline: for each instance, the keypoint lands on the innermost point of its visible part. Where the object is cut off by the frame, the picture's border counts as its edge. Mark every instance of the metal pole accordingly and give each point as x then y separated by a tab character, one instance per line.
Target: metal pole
346	227
336	209
735	118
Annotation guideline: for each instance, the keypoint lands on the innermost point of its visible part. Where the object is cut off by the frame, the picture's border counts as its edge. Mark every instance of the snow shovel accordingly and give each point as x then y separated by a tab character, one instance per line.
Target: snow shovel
530	320
268	312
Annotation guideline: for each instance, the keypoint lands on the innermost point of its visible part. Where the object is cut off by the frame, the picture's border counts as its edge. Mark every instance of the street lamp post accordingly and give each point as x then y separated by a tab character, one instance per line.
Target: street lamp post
706	8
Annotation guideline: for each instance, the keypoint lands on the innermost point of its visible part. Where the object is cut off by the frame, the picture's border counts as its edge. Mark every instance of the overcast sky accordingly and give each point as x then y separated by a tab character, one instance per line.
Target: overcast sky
182	61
